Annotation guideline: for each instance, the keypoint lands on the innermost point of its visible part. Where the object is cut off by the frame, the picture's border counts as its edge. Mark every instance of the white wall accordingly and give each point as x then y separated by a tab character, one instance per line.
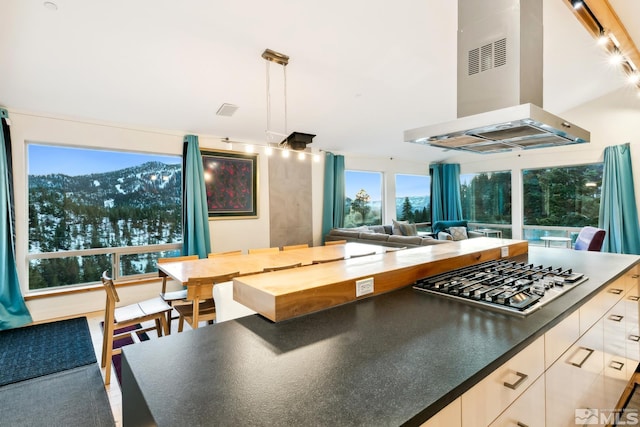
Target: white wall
29	127
612	120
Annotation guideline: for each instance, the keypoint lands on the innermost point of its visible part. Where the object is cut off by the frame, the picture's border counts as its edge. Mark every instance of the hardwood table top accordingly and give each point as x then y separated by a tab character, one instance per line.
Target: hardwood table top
181	271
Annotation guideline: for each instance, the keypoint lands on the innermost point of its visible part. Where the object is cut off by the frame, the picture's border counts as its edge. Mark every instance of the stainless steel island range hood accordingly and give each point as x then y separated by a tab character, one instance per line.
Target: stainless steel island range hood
499	84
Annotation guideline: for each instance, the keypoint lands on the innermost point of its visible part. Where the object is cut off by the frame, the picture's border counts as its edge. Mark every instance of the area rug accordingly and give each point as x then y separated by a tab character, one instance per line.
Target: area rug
72	398
116	359
47	348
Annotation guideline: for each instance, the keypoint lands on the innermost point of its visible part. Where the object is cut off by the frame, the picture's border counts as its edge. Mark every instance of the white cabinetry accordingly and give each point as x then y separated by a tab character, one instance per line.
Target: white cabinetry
487	399
527	411
574	381
587	360
447	417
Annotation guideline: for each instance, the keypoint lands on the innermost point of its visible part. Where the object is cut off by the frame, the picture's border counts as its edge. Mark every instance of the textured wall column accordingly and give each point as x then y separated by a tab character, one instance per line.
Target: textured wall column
290	200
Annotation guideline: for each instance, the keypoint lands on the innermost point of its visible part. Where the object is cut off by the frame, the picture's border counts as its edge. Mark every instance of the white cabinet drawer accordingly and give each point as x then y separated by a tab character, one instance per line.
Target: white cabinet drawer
449	416
560	338
595	308
487	399
527	410
575	380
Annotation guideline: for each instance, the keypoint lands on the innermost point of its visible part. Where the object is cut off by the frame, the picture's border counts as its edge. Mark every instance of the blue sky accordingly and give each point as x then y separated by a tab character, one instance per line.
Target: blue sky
413	185
406	185
46	159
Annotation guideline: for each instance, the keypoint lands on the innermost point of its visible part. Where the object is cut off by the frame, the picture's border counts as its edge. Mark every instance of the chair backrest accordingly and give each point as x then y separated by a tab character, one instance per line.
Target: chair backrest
334	242
221	254
226	307
201	288
590	239
281	267
110	289
292	247
263	250
439	226
178	258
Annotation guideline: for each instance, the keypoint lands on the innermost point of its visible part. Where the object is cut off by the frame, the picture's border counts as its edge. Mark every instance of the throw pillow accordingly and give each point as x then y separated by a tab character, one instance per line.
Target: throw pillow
405	228
458	233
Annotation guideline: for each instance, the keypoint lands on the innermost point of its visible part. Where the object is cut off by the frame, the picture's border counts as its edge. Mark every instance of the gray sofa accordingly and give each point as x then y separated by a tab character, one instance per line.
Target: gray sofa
380	235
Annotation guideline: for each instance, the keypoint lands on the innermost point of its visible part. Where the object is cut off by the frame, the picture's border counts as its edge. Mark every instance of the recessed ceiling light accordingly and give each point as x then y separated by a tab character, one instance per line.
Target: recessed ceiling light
50	5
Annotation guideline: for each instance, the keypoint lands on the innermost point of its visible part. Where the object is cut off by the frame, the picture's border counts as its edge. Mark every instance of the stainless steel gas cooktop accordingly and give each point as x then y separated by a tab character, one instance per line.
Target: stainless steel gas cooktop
504	285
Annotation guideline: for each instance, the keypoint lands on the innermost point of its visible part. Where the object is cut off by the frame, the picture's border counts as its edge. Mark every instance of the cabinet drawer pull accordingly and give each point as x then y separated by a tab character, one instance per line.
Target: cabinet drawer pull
519	424
634	298
616	317
523	378
633	337
589	353
615	291
635	276
614	364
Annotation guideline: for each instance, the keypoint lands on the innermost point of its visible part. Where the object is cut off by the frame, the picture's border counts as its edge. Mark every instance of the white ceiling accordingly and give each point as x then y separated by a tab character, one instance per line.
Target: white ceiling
361	71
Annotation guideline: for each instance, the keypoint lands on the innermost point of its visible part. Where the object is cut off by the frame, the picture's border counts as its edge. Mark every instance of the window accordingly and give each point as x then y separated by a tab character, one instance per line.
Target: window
94	210
486	199
563	196
559	201
363	194
413	198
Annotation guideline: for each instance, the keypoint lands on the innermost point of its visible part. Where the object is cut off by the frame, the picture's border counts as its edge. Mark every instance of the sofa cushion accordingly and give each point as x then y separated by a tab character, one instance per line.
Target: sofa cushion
458	233
378	229
439	226
404	228
374	236
406	240
344	233
443	235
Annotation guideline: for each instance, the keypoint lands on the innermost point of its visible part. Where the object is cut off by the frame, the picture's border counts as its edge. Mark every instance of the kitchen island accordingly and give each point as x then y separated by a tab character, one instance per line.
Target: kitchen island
392	359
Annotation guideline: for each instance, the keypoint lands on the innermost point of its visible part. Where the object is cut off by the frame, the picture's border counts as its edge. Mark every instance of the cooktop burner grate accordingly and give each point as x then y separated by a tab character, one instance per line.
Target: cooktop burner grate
504	285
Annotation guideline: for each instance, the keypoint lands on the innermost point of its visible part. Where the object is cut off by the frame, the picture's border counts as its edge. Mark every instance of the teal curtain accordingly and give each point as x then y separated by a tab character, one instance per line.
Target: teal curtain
196	239
446	204
618	210
333	196
13	310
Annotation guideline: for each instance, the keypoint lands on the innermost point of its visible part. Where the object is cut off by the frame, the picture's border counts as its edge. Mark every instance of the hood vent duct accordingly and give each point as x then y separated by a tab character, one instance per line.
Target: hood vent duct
499	84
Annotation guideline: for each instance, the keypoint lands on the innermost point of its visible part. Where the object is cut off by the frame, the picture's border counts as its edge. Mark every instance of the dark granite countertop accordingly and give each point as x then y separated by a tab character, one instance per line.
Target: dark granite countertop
393	359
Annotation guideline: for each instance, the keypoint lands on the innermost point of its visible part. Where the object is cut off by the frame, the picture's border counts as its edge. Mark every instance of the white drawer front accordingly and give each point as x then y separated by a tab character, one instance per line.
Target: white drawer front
487	399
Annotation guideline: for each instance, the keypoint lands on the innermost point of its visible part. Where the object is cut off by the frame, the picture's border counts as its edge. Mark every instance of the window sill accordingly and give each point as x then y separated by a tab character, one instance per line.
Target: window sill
48	293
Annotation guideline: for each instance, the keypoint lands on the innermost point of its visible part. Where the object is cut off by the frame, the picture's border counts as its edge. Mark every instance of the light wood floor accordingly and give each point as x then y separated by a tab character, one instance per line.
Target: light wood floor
113	389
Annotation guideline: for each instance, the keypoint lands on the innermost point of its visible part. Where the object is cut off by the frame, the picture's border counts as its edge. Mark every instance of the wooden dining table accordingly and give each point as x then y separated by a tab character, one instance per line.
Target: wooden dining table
182	271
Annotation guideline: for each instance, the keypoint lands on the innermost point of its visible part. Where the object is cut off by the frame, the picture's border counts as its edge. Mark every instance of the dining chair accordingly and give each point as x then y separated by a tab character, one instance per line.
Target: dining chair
121	317
201	305
281	267
174	296
222	254
292	247
590	239
264	250
322	261
226	307
334	242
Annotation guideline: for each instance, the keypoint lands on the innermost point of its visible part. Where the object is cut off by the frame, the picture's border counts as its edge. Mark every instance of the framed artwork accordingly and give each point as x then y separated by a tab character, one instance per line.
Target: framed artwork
231	183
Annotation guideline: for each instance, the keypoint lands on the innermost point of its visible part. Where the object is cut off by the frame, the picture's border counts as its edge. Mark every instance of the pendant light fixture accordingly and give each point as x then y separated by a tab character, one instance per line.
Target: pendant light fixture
296	140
